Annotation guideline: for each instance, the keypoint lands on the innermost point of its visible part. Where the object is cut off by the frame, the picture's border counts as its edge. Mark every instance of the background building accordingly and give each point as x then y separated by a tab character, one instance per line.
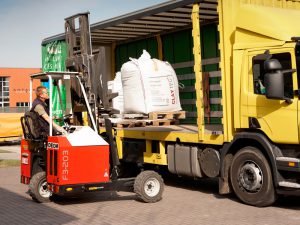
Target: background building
14	88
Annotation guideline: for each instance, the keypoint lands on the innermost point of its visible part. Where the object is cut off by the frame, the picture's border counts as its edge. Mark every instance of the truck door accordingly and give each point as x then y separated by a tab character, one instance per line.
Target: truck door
278	119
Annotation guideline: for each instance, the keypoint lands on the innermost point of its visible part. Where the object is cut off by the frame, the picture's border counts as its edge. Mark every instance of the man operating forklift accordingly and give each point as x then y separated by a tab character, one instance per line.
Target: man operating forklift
40	106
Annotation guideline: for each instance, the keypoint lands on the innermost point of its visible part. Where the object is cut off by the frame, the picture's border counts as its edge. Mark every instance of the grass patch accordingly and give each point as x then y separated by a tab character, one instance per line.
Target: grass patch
9	163
4	151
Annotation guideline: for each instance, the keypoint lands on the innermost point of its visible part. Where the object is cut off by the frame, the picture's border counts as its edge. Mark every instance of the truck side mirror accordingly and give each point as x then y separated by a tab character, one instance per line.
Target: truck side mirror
274	79
274	84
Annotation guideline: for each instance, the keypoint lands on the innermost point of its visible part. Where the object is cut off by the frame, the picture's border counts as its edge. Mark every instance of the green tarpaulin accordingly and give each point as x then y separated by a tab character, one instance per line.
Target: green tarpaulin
54	55
53	59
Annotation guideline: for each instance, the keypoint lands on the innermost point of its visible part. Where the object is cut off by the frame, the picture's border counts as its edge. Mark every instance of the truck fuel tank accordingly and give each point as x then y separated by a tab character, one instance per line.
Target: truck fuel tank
183	160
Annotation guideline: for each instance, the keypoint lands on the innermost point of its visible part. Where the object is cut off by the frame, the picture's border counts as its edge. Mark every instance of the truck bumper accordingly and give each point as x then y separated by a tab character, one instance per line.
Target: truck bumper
289	175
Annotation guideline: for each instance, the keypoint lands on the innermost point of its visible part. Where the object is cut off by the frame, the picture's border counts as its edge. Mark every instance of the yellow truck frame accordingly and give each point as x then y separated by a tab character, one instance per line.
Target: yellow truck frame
255	152
252	135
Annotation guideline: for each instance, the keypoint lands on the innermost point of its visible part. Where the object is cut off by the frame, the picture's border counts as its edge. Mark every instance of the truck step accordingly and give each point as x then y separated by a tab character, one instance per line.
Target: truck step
288	159
288	164
289	184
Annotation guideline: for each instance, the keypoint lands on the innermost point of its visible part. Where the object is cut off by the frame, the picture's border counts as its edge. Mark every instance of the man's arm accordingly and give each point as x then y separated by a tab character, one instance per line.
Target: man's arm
41	111
58	128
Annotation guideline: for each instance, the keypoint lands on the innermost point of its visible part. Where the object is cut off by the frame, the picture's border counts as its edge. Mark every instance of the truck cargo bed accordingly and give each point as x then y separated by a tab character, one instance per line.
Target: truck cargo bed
209	129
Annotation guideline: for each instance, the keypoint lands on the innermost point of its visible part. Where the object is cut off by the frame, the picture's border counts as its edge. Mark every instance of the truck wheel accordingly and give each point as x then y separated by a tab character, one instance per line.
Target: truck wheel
149	186
38	188
251	178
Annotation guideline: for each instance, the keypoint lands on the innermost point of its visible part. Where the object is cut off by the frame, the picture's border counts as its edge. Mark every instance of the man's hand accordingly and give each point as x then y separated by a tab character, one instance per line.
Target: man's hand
63	131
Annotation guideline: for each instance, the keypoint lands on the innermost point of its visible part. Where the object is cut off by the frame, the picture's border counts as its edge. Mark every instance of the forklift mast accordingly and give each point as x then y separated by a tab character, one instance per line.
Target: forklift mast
81	58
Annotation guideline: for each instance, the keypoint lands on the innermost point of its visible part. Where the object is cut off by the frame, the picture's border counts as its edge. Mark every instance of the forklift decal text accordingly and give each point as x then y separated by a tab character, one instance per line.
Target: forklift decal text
65	164
53	145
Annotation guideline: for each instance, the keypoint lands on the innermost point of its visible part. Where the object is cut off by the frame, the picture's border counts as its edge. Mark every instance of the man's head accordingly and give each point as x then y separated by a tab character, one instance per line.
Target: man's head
42	93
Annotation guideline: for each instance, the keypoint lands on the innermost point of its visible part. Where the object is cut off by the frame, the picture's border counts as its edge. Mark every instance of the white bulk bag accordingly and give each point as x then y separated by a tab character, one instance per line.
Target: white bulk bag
118	102
149	85
115	86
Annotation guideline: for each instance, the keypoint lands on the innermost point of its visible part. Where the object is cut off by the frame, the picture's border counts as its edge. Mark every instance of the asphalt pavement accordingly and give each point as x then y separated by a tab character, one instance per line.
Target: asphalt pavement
185	202
13	152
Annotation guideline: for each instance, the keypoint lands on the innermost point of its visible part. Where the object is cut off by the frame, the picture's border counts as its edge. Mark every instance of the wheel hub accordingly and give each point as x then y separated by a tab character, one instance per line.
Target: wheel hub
44	191
152	187
250	177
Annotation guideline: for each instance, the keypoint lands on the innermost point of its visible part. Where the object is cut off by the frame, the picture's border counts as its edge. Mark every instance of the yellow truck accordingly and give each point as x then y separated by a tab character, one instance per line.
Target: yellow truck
238	60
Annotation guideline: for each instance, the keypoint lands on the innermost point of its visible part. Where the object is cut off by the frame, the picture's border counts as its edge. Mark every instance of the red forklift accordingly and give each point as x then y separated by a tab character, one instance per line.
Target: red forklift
78	161
81	160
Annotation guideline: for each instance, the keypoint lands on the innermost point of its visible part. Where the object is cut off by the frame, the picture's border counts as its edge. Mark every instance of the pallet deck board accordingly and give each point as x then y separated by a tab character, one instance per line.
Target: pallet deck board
153	119
167	115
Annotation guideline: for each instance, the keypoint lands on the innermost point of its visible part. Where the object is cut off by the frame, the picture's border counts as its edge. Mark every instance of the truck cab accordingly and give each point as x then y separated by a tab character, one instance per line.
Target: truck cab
263	108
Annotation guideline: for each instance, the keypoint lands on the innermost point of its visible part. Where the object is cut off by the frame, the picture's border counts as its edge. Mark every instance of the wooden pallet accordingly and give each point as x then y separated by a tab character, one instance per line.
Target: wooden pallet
129	123
134	116
161	122
167	115
140	123
142	120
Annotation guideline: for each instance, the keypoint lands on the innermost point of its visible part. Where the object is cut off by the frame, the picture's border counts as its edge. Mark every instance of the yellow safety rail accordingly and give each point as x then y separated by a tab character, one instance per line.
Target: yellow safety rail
198	70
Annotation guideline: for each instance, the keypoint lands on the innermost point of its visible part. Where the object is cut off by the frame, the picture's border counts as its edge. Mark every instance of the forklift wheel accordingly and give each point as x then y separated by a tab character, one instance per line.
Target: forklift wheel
39	189
149	186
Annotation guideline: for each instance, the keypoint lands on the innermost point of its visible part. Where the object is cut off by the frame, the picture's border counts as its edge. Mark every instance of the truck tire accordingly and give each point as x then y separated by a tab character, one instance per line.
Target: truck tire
149	186
38	188
251	178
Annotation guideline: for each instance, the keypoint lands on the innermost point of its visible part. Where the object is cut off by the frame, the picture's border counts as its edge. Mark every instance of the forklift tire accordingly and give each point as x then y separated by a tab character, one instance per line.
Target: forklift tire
149	186
251	178
38	188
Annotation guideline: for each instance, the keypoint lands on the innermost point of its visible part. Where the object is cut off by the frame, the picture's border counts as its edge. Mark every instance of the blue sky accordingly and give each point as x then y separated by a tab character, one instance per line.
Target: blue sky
25	23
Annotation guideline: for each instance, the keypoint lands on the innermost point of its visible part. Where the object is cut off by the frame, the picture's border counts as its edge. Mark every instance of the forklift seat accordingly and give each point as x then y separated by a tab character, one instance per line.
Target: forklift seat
31	128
